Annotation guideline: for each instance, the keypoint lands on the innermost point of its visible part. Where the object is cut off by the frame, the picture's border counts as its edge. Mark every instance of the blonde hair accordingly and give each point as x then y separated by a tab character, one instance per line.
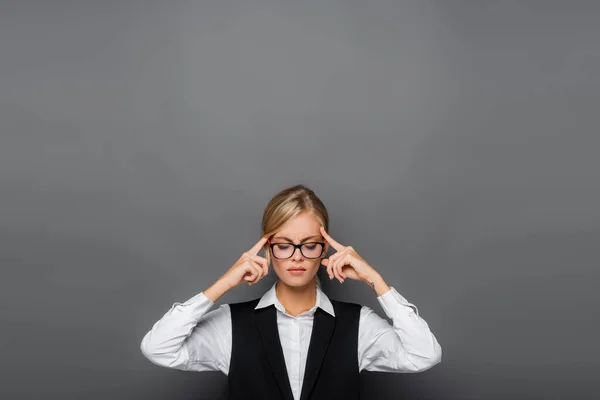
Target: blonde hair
287	204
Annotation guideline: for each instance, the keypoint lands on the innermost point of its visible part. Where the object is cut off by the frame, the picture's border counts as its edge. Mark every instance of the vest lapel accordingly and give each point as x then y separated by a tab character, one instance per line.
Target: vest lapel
266	322
323	325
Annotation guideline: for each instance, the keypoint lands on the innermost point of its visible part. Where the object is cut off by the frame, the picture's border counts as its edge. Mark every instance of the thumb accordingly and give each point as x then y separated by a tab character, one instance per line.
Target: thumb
325	261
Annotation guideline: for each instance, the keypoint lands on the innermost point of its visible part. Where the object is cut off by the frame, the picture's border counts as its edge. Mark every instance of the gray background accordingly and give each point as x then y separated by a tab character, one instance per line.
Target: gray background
454	142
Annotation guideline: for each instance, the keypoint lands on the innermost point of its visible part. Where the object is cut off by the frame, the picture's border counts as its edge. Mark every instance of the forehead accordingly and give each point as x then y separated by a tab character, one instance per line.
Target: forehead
301	226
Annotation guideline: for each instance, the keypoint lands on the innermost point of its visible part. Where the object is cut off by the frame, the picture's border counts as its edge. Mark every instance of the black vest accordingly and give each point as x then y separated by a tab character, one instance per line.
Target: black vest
257	369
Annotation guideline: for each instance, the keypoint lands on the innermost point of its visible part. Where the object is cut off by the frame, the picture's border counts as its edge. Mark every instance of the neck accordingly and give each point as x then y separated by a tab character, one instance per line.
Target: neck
297	299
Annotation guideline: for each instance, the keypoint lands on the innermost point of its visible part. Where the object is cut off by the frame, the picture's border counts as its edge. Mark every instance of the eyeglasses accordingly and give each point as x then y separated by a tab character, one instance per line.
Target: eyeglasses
286	250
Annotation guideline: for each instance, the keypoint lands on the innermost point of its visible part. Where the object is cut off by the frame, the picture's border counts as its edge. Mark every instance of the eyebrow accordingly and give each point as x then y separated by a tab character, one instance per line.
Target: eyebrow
303	240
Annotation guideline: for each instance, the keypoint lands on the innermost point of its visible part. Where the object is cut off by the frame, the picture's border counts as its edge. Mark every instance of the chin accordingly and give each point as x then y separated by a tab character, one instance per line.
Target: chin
296	281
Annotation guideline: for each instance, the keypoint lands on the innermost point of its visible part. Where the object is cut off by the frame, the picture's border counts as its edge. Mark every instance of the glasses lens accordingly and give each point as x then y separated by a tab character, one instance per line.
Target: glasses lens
312	250
283	250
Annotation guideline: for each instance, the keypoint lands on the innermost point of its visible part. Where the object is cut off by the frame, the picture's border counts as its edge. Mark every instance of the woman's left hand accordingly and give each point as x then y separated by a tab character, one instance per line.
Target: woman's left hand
346	262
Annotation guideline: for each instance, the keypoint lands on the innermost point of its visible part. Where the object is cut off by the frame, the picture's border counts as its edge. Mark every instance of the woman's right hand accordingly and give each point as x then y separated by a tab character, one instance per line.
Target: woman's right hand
250	267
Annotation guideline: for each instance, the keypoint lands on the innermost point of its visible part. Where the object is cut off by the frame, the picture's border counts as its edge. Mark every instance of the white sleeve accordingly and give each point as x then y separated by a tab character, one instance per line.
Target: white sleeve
190	338
406	346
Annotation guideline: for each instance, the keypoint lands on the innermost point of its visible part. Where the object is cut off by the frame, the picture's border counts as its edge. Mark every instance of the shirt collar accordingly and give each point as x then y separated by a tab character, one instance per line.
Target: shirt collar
270	298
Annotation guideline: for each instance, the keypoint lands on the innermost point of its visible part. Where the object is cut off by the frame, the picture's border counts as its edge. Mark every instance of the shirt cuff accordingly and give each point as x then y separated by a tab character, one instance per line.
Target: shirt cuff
392	301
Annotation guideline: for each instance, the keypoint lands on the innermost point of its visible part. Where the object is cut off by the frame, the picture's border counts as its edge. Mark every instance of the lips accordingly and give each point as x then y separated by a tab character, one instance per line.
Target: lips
296	269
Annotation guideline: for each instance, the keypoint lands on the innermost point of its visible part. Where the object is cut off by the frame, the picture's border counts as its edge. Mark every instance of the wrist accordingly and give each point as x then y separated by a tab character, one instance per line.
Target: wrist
217	290
377	284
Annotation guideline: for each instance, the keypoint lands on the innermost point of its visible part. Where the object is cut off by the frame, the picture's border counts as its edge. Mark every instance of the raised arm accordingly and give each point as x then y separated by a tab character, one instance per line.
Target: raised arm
408	345
188	336
405	346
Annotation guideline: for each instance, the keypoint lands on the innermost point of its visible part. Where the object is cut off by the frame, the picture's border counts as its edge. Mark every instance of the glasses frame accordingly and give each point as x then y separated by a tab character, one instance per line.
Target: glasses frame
296	246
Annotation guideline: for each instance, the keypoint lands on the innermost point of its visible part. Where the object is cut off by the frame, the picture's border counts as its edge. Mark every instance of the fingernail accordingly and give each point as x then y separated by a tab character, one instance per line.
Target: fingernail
330	277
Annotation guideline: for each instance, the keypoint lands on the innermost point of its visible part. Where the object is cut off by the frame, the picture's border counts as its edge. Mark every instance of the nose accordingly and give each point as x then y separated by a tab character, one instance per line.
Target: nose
297	255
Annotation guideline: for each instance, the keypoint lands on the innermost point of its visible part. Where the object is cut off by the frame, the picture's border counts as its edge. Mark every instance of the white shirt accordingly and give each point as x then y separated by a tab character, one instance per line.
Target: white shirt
188	337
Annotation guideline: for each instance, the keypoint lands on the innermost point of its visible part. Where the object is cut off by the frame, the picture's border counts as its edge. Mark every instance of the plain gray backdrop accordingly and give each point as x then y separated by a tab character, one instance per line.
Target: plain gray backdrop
455	144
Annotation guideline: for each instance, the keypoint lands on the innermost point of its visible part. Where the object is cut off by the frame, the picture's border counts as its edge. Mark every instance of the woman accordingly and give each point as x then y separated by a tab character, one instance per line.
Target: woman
293	343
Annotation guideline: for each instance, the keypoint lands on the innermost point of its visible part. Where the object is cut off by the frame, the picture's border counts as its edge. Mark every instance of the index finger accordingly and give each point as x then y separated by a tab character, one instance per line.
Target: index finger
333	243
256	248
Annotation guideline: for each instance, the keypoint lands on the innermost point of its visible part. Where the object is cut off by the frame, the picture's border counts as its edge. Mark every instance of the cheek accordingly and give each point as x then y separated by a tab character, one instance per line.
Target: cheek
276	263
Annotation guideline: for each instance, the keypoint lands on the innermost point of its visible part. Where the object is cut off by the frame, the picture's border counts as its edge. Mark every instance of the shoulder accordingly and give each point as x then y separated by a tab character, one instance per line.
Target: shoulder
345	307
244	305
344	303
365	313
